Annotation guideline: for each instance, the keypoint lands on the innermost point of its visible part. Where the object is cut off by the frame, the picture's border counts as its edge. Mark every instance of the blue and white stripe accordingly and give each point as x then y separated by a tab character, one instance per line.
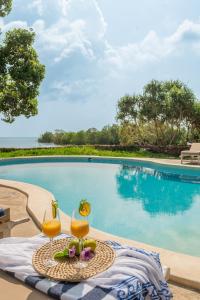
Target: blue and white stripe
135	275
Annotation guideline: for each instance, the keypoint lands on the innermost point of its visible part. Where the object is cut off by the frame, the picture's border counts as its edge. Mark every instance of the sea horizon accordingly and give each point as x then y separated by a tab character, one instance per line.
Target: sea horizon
22	142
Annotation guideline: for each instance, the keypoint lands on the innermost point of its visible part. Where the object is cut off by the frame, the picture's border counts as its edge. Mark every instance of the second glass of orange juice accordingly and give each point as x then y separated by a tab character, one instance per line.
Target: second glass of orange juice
79	229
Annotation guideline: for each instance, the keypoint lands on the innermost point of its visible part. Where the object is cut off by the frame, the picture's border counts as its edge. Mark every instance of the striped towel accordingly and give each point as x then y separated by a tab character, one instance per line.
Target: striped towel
135	274
2	212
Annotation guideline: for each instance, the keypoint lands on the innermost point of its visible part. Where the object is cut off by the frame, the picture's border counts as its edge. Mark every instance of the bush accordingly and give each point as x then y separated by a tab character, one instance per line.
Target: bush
109	135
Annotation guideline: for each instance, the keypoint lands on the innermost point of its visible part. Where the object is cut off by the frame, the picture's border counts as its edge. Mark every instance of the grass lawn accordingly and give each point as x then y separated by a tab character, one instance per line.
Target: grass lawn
83	150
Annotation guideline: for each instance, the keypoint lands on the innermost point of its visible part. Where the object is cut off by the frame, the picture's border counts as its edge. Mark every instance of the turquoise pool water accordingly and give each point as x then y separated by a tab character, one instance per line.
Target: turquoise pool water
141	201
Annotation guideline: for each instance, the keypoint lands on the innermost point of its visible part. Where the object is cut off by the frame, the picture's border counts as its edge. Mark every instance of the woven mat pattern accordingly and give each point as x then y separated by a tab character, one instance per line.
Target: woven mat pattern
64	270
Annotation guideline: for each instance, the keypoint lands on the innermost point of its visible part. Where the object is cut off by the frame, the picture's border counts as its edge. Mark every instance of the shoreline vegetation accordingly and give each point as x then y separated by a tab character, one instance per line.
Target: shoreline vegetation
166	114
82	150
109	135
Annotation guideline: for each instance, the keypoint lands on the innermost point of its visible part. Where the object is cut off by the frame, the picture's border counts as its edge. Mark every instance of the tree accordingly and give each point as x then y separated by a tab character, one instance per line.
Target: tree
109	135
194	133
164	114
91	136
20	71
20	75
47	137
79	138
128	108
5	7
58	136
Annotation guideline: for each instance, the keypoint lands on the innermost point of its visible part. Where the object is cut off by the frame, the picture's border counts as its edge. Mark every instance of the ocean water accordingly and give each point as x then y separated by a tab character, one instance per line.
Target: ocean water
144	202
21	142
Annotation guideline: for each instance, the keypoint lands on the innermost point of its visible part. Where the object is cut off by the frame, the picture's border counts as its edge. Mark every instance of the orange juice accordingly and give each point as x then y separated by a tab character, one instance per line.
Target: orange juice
51	228
79	228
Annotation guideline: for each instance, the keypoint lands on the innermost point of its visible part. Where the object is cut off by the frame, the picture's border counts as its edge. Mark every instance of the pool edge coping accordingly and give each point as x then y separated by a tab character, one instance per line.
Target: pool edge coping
173	162
184	268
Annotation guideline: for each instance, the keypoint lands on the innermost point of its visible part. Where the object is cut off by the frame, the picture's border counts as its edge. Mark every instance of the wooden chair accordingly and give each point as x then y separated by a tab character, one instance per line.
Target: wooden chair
194	152
6	224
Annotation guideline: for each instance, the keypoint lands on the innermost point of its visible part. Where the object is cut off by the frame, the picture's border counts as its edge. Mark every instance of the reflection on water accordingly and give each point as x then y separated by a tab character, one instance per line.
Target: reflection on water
134	202
159	192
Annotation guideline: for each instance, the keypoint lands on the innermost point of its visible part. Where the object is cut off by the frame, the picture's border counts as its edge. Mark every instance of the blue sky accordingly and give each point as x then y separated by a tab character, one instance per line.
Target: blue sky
95	51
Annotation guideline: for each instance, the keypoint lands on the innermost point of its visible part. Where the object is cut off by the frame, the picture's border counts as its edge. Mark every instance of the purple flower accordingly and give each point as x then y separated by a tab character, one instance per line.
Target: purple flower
72	251
86	254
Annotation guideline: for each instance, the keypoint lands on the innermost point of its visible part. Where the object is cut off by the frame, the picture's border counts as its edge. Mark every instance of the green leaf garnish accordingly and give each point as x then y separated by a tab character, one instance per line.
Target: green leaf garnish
66	251
62	254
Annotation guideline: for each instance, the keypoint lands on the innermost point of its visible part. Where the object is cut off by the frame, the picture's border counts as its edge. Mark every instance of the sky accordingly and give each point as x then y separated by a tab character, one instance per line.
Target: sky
96	51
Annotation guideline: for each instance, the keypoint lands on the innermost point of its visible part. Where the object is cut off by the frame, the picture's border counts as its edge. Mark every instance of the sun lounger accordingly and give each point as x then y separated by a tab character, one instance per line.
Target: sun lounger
6	224
194	152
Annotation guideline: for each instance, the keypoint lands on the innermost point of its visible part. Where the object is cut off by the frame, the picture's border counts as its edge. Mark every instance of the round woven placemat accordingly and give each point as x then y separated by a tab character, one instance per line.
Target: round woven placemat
65	270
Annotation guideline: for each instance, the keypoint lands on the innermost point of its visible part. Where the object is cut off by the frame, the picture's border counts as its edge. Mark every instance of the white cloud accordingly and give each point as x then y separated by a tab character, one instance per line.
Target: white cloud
78	90
64	6
64	38
14	24
42	6
154	48
81	28
101	20
38	4
188	31
78	30
90	12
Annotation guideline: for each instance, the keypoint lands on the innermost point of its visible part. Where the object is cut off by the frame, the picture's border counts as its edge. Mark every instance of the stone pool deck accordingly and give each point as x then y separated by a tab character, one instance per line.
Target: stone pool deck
10	288
17	201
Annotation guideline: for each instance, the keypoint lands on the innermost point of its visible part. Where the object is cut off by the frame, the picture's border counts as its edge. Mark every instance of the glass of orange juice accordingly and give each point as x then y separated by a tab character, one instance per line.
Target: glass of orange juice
51	227
79	229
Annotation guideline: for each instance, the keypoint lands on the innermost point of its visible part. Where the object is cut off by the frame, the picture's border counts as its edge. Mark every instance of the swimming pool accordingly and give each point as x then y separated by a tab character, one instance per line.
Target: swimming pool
143	201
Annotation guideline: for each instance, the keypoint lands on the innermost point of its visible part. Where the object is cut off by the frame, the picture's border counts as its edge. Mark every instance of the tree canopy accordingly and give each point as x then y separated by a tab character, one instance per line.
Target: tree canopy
5	7
20	71
167	112
20	75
